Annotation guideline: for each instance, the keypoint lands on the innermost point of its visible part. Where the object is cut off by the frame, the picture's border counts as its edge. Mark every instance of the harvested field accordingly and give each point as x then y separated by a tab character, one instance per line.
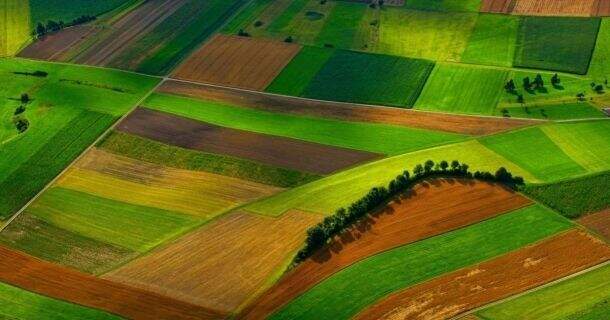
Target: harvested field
601	8
272	150
555	7
464	290
430	209
123	179
29	273
345	111
497	6
222	264
598	222
238	62
55	46
127	30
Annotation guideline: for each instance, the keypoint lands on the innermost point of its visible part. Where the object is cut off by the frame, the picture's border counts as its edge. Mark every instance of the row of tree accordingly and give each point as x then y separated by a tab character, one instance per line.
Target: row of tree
54	26
344	218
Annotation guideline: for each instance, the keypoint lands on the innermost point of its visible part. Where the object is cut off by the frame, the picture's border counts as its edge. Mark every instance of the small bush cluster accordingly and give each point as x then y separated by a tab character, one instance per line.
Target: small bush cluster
344	218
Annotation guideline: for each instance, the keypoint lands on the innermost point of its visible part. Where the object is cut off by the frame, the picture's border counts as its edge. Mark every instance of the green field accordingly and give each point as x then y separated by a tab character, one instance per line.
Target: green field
341	189
155	152
600	63
370	78
564	111
493	40
445	5
368	281
341	30
297	75
18	304
58	10
69	109
574	198
584	297
462	89
379	138
535	152
14	26
561	44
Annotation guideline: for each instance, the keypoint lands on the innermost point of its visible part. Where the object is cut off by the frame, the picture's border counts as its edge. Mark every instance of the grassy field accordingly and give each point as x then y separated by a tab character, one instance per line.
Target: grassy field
328	194
600	63
57	10
369	78
445	5
367	281
69	109
295	77
439	36
561	44
14	26
155	152
493	40
562	111
341	29
534	151
574	198
462	89
583	297
385	139
19	304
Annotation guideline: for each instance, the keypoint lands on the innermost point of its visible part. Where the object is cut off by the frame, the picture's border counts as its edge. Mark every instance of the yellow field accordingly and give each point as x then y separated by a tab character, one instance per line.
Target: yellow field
14	26
196	193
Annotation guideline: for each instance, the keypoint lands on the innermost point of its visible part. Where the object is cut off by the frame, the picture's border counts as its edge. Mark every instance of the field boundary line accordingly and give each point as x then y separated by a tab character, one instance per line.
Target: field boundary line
546	285
81	155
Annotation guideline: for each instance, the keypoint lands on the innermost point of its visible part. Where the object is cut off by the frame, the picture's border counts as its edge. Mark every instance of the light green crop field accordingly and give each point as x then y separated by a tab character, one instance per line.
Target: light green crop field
58	10
552	43
247	16
370	78
586	143
328	194
493	40
574	198
133	227
576	298
69	109
297	75
368	281
600	63
18	304
155	152
445	5
462	89
14	26
563	111
439	36
339	30
534	151
379	138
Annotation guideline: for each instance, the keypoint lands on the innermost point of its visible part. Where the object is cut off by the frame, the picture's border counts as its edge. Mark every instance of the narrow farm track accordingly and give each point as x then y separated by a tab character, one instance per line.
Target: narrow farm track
432	208
464	124
32	274
463	290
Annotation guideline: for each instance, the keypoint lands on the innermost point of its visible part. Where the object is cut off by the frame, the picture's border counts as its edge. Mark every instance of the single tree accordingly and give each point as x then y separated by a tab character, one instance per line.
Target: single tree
510	86
527	84
538	81
25	98
555	80
444	165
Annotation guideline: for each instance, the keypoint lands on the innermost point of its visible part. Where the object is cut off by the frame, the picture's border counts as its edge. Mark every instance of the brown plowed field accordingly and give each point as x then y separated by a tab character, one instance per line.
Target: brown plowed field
32	274
54	46
222	264
554	7
601	8
344	111
598	222
432	208
238	62
272	150
128	29
498	6
510	274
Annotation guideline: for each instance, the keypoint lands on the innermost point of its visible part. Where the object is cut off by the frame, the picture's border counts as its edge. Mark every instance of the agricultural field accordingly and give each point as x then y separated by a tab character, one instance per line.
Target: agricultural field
14	26
56	10
598	222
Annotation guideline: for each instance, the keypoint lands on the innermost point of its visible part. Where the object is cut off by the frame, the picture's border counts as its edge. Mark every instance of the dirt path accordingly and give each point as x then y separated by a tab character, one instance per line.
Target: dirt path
431	209
32	274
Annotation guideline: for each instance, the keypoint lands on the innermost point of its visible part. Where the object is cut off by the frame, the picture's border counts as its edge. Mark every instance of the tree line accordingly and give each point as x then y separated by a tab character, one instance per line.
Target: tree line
54	26
344	218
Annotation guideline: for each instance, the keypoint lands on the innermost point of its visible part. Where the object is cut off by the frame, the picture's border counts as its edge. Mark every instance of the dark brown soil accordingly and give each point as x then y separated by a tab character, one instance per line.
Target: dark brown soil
498	6
272	150
54	46
598	222
601	8
344	111
32	274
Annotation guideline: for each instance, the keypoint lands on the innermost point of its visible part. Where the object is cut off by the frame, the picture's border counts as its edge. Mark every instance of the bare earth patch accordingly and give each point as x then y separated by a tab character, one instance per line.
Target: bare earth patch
598	222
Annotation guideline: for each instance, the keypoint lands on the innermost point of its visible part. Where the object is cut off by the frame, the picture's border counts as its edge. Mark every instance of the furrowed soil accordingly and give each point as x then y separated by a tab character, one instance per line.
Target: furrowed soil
601	8
32	274
128	30
498	6
222	264
238	62
55	46
555	7
598	222
345	111
277	151
431	208
510	274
